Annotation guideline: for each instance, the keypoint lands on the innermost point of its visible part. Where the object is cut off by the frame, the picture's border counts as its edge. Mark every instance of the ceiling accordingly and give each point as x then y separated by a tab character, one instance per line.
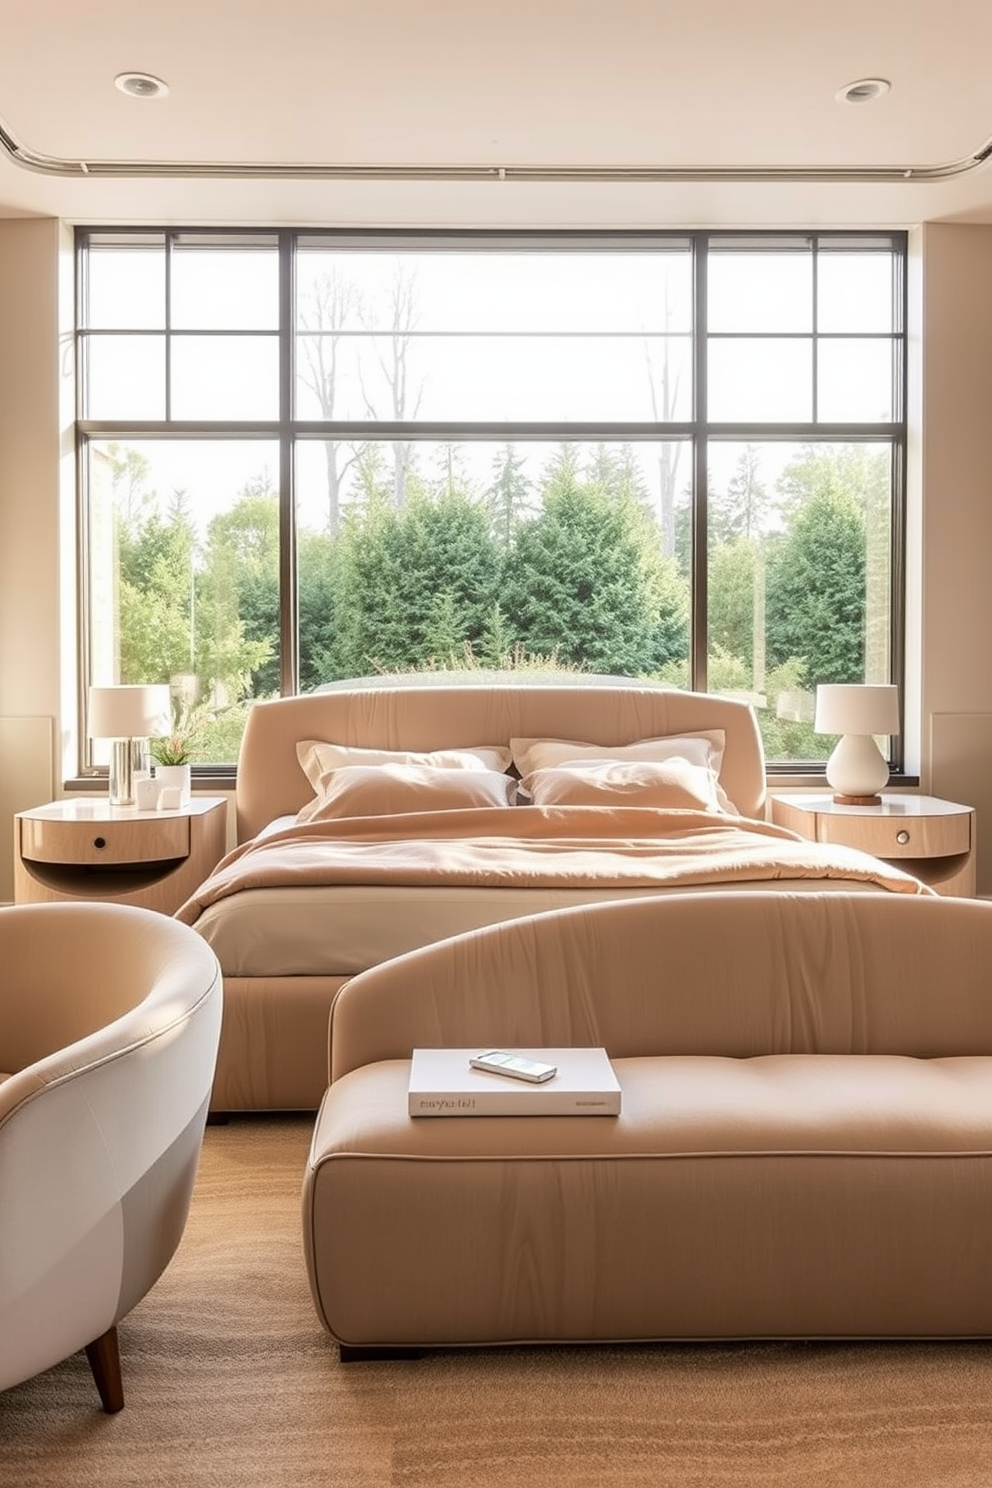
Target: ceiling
573	113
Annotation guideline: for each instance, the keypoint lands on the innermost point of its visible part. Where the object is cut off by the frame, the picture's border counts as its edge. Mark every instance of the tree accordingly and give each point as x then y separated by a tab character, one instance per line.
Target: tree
663	388
239	610
816	591
129	471
324	314
416	583
321	656
731	586
404	398
156	599
740	510
582	580
508	498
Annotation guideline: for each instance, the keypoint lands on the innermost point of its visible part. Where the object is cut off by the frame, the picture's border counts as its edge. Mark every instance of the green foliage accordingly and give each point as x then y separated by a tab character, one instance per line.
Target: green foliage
786	738
508	498
569	574
220	741
320	606
583	580
740	510
731	597
178	616
156	602
816	591
239	615
417	582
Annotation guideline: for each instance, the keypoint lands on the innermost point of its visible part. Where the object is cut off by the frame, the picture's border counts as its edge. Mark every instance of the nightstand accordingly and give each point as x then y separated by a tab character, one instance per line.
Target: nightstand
88	849
932	839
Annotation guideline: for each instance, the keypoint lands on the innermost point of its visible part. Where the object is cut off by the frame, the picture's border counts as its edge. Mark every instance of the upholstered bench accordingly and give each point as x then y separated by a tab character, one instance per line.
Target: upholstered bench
804	1149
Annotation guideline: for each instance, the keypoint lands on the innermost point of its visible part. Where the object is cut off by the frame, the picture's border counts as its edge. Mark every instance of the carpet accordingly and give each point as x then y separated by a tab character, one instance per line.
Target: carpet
230	1383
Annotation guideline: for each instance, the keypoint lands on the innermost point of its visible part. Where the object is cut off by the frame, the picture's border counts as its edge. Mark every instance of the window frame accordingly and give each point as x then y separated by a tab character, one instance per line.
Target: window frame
699	431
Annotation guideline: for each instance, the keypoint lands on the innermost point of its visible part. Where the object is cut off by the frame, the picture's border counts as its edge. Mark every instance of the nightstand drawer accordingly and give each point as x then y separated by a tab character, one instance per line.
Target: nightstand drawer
899	836
90	842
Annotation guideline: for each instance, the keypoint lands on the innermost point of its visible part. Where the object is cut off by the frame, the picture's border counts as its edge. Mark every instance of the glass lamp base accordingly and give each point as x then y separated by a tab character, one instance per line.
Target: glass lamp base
128	763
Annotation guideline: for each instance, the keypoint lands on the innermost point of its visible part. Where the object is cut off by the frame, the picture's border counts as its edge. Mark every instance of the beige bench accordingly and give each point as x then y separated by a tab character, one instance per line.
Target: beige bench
805	1146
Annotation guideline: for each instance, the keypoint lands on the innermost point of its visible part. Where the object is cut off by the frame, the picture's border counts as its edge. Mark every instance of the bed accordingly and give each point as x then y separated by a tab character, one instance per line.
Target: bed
386	814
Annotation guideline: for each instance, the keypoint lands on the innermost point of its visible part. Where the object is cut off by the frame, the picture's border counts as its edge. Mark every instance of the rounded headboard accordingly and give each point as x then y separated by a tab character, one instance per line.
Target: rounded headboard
438	715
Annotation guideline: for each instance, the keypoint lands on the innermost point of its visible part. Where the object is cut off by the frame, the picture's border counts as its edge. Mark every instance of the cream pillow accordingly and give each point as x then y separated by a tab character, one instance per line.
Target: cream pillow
672	784
394	789
703	747
319	758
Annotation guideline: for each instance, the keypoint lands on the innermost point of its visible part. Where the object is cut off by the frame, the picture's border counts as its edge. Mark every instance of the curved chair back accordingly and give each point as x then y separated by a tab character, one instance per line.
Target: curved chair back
109	1025
737	973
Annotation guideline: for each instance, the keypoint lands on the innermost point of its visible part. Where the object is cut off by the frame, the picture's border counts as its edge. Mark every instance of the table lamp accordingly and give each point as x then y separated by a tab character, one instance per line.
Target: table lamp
128	716
856	769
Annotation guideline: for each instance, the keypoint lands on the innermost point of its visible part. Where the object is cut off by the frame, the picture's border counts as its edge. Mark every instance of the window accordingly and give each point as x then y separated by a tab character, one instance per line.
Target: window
309	456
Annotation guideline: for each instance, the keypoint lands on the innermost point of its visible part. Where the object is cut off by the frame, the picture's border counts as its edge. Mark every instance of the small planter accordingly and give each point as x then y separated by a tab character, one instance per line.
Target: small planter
171	778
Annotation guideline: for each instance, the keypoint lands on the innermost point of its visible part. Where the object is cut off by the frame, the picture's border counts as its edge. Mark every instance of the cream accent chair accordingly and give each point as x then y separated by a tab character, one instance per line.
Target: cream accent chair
109	1025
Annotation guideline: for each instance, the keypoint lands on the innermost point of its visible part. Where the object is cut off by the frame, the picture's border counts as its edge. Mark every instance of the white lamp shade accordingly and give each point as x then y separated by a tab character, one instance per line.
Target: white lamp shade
139	712
855	708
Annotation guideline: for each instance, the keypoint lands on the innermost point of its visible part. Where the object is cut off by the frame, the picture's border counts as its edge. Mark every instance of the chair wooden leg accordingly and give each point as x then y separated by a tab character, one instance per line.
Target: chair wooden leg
105	1362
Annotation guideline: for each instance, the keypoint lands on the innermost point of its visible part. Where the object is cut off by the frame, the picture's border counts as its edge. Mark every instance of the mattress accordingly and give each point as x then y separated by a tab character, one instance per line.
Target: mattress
343	929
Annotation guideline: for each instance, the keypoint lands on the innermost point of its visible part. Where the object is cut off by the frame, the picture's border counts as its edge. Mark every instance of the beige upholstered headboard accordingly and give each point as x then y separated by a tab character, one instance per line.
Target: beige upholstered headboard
442	714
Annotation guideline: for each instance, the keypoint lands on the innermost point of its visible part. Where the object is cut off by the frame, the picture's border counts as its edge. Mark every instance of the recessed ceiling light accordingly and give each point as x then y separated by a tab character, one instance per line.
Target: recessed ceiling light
141	85
865	90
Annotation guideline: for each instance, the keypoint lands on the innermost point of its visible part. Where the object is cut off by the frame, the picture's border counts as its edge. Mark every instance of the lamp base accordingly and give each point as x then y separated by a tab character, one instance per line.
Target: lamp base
128	762
857	771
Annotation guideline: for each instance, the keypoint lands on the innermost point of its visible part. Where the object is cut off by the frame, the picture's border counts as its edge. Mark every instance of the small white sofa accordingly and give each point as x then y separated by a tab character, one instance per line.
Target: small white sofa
804	1150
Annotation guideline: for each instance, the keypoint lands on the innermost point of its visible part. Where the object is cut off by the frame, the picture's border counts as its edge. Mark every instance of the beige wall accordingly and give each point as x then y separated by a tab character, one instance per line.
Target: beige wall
949	691
956	528
34	433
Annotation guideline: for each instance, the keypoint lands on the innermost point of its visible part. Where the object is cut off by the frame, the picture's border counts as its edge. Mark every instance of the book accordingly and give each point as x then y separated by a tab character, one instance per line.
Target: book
442	1083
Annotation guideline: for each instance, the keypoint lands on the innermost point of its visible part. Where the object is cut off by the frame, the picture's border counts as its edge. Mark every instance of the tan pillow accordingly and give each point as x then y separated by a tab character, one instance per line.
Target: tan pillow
670	784
318	758
703	747
393	789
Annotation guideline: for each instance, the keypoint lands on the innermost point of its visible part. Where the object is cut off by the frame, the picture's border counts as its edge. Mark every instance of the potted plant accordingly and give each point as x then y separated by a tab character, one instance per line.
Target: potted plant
172	754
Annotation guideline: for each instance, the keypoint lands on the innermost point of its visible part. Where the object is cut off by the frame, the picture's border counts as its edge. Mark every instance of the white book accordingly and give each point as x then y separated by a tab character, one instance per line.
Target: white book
443	1083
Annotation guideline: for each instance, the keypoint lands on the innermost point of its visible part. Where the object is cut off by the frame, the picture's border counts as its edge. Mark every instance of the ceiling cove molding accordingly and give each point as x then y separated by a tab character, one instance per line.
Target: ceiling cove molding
51	165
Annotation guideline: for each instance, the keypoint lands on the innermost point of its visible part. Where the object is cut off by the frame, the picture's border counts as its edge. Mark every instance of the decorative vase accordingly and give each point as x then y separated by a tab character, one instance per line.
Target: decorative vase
171	778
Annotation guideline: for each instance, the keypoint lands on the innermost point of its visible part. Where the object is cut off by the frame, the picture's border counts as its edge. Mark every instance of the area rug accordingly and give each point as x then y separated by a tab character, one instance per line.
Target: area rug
231	1383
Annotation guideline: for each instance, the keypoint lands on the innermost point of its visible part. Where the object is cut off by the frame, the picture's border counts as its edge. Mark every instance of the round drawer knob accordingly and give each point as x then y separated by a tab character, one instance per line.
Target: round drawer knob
99	842
902	837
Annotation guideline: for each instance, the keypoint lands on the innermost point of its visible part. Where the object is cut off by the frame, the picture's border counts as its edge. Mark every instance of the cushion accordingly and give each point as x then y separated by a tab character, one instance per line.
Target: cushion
703	748
318	758
393	789
673	784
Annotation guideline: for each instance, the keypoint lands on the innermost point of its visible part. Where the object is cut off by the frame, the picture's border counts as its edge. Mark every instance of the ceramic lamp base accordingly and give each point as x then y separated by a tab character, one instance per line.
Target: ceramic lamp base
856	770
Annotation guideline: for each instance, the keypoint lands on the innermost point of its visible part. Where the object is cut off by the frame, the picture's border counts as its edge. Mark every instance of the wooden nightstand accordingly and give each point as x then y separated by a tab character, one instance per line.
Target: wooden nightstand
88	849
932	839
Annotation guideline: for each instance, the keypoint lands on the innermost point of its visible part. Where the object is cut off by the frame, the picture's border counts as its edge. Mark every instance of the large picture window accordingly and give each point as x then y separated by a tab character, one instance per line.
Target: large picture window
312	456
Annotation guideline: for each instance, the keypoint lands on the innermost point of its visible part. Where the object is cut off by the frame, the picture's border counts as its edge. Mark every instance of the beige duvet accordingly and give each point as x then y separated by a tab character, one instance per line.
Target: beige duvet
531	846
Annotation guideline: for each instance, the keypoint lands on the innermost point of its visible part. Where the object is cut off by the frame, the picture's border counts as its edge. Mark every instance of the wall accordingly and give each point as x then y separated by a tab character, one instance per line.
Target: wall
956	527
35	452
949	692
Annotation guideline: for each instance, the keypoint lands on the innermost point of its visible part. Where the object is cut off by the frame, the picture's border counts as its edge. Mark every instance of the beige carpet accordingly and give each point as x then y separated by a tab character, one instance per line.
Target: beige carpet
230	1381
